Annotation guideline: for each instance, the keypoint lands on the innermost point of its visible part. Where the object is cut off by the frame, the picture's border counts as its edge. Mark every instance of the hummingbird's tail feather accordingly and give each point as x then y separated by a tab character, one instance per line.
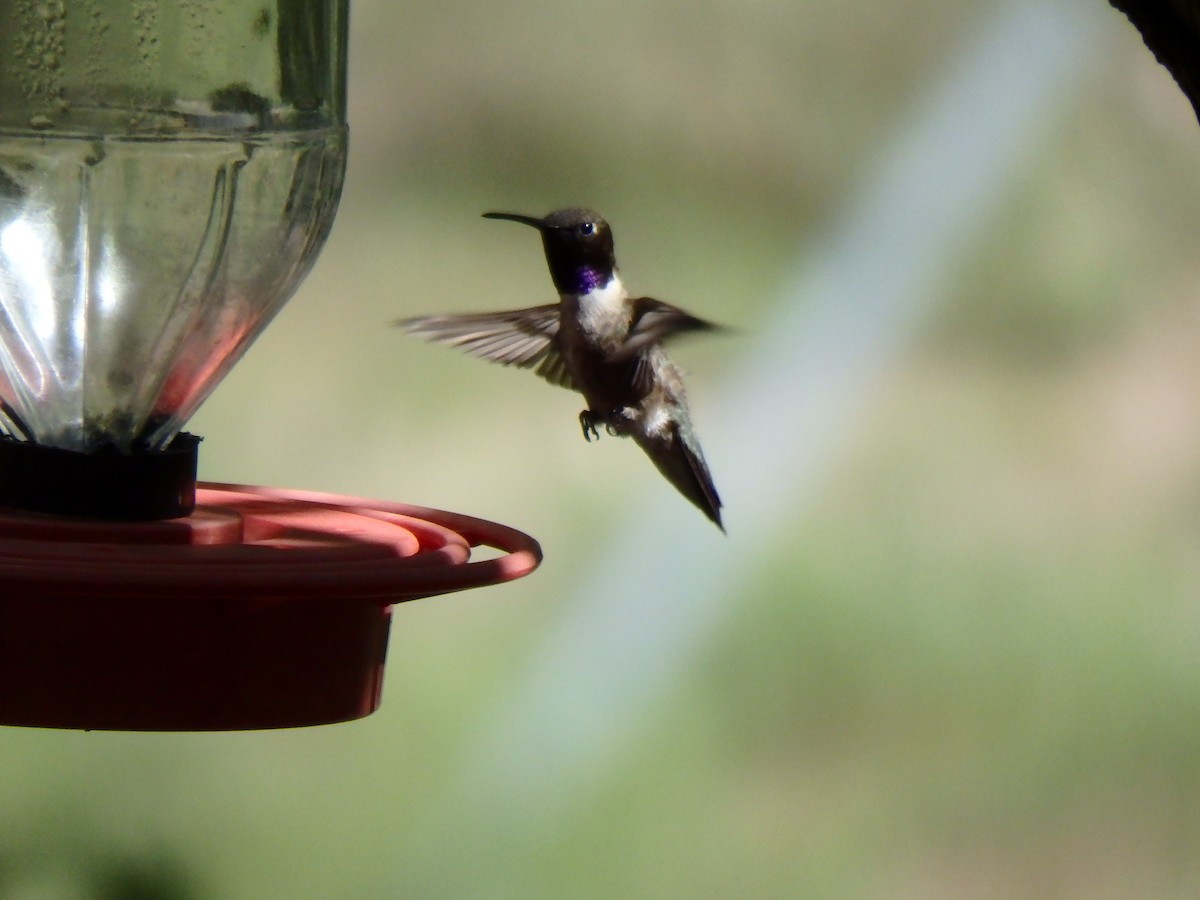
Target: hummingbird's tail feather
680	461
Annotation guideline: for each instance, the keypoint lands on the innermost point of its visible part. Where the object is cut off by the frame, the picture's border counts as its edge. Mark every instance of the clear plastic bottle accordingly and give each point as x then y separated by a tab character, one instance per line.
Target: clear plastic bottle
168	174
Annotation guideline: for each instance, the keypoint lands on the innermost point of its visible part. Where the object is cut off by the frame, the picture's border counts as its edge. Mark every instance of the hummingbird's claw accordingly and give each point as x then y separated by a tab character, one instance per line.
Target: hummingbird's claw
588	420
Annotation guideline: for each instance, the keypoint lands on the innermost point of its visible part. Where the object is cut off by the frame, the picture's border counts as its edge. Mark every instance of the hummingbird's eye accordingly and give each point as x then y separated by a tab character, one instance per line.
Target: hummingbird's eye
587	229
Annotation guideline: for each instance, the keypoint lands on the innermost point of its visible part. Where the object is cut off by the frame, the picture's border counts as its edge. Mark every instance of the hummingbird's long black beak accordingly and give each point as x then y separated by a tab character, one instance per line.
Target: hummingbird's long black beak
539	224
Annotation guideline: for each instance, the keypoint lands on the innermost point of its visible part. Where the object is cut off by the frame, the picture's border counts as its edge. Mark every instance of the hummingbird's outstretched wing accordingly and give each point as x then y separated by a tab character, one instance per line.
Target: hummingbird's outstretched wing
654	322
527	338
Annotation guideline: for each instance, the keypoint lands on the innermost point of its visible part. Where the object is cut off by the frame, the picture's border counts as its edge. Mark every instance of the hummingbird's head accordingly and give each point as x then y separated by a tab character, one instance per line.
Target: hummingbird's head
578	244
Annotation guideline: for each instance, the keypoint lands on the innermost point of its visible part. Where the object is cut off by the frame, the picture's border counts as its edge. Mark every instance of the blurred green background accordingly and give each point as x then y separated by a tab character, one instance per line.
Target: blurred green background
962	663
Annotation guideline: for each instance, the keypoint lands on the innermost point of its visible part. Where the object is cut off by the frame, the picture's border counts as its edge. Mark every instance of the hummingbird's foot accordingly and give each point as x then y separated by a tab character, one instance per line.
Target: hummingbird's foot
618	423
588	421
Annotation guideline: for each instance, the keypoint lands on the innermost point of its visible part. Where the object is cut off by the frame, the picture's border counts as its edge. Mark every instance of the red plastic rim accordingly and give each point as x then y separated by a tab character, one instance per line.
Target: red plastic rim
254	541
264	609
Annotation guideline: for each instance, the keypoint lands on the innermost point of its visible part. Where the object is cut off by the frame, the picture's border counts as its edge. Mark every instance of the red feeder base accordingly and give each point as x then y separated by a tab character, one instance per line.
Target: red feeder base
263	609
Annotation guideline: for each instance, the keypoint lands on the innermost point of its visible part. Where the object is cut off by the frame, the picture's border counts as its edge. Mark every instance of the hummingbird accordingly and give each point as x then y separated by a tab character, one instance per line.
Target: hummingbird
599	341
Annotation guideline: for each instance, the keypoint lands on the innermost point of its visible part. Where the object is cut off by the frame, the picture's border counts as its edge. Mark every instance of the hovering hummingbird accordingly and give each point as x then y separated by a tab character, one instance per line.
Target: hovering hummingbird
597	340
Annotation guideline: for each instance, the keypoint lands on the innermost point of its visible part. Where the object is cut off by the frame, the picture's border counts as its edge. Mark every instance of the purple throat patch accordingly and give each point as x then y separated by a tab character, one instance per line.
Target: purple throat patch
588	280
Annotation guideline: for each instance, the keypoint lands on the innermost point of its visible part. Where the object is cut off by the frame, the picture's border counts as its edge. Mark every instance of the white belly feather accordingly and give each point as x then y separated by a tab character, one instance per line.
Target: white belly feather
604	314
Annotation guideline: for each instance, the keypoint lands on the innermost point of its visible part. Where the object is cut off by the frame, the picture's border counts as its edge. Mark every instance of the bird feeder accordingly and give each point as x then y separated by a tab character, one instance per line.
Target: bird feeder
168	175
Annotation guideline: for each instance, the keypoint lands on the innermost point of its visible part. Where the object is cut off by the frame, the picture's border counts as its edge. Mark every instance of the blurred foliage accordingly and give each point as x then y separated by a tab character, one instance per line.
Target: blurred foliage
969	671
